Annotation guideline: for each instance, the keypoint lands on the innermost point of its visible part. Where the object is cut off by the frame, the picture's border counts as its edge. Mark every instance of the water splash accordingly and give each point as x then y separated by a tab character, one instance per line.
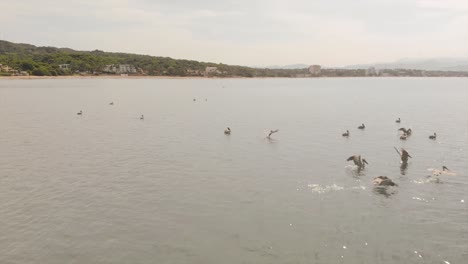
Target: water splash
317	188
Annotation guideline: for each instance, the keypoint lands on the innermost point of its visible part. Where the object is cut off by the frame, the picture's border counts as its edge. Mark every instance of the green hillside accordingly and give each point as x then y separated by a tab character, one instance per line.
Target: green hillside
45	61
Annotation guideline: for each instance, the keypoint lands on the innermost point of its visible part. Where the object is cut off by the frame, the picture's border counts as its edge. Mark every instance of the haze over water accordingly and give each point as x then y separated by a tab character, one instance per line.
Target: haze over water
107	187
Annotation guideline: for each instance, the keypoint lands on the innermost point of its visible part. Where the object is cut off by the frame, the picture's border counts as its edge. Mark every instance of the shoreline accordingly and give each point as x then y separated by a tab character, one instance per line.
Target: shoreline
199	77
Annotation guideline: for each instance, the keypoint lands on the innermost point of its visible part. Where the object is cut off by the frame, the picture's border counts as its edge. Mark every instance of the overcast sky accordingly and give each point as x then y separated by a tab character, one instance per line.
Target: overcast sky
246	32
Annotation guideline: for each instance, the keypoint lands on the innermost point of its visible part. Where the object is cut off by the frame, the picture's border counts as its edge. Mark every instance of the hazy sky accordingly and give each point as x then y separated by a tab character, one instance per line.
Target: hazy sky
246	32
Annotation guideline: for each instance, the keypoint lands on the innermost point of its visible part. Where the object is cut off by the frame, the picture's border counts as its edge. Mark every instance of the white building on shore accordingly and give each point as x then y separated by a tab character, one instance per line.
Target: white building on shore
119	68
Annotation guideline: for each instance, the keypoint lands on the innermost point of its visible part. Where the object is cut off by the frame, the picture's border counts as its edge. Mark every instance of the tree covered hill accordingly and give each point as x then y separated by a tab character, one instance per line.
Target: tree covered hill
46	60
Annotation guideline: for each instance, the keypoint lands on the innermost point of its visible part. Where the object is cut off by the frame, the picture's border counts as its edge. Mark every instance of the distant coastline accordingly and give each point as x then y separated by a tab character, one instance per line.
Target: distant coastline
25	61
137	77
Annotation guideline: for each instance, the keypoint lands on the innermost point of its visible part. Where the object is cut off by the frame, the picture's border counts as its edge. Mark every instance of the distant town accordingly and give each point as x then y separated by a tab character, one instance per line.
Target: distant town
314	71
29	60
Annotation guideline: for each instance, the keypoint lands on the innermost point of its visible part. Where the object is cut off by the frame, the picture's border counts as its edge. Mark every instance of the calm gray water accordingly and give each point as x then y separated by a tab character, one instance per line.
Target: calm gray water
107	187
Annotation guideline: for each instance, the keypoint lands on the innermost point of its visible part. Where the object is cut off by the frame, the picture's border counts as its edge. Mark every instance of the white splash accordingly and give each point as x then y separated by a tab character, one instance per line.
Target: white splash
446	262
317	188
344	247
419	199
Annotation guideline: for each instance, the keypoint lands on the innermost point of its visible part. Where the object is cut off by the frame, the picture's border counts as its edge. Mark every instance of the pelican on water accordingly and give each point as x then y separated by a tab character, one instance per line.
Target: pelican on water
346	134
433	136
383	181
361	163
444	171
111	103
404	155
361	126
406	131
142	117
404	136
227	131
80	112
271	133
398	120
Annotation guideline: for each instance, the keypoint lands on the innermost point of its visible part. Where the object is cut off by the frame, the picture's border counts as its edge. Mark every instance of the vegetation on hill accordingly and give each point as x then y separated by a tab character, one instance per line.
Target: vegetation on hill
45	61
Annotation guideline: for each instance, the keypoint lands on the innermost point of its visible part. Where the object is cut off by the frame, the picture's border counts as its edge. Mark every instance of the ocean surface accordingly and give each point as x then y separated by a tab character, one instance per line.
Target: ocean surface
107	187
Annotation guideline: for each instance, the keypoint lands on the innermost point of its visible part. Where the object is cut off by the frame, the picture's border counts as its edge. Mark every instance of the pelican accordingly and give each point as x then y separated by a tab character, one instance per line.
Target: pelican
404	136
361	126
142	117
404	155
398	120
80	112
361	163
384	181
433	136
406	131
346	134
227	131
111	103
444	171
271	133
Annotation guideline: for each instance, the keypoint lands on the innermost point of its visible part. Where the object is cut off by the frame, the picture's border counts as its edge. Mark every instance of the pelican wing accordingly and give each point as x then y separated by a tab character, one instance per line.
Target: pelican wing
351	158
397	151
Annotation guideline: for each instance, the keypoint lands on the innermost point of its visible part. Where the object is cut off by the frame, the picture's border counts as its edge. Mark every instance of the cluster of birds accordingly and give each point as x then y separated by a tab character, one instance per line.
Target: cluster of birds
361	162
357	159
404	156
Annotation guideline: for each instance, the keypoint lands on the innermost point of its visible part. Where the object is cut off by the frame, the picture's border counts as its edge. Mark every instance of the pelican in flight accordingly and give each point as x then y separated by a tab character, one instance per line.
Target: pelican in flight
346	134
406	131
142	117
398	120
111	103
271	133
227	131
404	155
80	112
361	126
383	181
433	136
361	163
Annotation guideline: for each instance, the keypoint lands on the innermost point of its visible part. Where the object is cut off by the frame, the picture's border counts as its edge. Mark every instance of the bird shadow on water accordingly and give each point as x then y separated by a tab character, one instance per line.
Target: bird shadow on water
355	171
403	168
385	191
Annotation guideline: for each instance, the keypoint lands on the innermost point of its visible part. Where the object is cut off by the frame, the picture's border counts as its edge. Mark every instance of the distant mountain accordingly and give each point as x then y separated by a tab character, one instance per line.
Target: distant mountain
434	64
292	66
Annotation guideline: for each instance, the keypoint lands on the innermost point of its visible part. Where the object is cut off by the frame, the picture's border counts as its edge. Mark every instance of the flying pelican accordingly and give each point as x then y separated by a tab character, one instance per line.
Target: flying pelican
80	112
142	117
361	163
346	134
384	181
433	136
404	155
227	131
398	120
111	103
361	126
271	133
